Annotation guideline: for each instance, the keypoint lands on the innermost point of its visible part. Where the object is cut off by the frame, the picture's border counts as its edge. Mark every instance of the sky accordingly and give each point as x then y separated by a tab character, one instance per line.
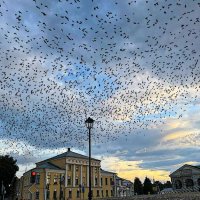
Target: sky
132	65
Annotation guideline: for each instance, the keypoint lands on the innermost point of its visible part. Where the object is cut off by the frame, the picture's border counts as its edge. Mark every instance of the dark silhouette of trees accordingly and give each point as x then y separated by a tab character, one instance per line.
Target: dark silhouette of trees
138	188
158	186
8	169
148	187
168	184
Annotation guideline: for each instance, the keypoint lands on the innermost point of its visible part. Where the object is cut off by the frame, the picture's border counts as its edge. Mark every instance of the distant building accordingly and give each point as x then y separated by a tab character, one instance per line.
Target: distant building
66	176
186	178
124	187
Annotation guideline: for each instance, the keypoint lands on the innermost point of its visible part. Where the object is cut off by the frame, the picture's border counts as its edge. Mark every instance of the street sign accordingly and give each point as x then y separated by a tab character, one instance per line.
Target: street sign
33	189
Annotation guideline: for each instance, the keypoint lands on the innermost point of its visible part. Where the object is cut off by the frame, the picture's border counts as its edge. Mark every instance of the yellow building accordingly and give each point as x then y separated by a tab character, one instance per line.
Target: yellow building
66	176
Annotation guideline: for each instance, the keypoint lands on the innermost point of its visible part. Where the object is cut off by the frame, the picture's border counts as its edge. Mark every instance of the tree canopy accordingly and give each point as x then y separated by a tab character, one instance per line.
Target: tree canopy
138	186
168	184
8	169
148	187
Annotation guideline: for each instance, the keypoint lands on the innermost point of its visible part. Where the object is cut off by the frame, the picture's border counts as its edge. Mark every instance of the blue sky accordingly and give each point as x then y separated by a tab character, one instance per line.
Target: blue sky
133	66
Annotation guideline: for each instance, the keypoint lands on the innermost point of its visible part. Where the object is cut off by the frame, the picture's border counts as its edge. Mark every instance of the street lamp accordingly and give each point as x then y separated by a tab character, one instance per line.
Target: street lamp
89	124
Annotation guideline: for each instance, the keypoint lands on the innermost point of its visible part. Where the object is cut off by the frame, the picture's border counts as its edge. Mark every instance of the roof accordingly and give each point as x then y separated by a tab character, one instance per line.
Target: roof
45	165
197	167
125	180
66	154
48	165
107	172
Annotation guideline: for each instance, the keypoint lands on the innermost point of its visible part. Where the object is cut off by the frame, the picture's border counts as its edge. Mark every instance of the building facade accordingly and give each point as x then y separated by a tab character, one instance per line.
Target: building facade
65	177
186	178
124	188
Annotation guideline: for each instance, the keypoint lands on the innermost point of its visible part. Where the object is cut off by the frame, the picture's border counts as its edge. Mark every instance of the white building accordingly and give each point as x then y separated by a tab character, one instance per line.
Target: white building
124	188
186	178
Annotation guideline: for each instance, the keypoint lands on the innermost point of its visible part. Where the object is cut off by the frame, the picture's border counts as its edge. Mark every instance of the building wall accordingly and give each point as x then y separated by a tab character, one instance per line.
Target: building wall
74	185
49	182
108	185
183	177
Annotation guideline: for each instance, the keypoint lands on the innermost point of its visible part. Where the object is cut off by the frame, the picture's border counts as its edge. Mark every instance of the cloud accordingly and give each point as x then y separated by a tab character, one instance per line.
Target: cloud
132	66
131	169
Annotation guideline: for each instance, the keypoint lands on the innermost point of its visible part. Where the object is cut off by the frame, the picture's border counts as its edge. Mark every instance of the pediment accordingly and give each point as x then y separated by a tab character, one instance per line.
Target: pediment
186	170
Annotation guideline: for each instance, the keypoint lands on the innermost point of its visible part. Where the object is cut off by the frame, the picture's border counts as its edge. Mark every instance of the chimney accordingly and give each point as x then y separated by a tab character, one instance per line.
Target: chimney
68	149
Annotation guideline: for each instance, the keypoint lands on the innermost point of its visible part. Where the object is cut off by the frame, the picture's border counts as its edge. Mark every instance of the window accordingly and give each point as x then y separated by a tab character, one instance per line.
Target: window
37	178
61	194
111	192
70	194
48	178
189	183
178	184
97	193
76	181
96	181
47	186
55	179
101	181
106	181
77	194
48	194
37	194
106	193
62	180
54	194
69	167
102	193
69	180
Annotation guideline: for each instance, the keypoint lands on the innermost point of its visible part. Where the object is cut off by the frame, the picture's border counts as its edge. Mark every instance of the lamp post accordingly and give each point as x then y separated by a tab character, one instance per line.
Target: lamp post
89	124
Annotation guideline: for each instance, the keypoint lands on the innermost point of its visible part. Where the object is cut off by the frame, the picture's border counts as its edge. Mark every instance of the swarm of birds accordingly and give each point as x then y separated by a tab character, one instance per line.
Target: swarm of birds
127	64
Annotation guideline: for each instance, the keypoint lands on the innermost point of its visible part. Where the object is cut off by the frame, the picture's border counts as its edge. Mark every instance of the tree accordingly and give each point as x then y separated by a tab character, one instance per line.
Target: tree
148	187
158	186
13	188
168	184
8	169
138	186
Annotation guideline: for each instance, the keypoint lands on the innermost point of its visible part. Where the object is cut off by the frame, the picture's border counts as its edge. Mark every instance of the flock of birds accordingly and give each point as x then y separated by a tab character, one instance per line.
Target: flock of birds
128	64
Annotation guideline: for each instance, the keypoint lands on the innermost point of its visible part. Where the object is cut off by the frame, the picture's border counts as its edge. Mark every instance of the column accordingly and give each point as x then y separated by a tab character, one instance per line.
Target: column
81	174
45	185
99	177
66	177
87	176
74	175
94	176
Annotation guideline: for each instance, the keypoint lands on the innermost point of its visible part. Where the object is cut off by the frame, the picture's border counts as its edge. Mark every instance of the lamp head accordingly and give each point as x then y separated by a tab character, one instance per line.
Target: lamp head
89	123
